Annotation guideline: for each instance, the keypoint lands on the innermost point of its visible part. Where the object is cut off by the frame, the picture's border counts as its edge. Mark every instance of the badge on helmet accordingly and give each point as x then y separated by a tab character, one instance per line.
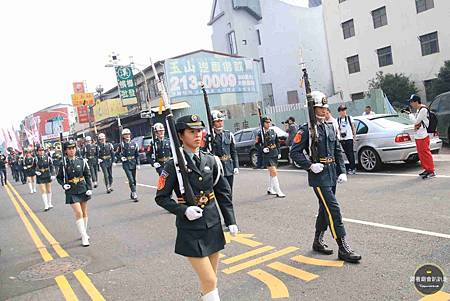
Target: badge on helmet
189	121
126	132
320	99
158	126
217	115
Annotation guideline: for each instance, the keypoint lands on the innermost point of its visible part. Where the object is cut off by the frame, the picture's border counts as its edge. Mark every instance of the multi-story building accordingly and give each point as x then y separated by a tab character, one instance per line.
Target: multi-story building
393	36
275	32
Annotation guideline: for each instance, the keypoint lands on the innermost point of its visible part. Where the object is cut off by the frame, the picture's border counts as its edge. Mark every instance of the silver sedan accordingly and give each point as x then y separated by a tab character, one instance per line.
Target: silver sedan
387	138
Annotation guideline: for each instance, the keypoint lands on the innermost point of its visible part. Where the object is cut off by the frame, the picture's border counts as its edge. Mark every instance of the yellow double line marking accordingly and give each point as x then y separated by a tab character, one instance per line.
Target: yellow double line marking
62	282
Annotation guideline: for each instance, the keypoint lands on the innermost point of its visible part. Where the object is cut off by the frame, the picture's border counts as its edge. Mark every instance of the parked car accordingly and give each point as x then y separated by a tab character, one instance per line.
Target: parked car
245	144
386	138
143	143
441	106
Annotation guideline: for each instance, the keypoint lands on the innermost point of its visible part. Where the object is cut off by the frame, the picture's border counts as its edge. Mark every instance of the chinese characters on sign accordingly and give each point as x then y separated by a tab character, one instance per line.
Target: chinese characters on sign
126	84
83	99
219	75
83	114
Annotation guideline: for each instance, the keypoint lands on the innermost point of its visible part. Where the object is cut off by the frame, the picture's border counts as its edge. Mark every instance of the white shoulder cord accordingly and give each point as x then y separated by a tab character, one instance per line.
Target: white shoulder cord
220	171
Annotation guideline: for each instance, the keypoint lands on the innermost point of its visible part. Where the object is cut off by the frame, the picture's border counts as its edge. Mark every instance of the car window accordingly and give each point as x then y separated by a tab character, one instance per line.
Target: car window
435	104
444	104
247	136
391	121
237	136
361	127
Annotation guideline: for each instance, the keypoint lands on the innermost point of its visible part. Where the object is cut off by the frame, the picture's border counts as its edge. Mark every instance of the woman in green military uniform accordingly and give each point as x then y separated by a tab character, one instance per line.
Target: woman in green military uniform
75	178
44	173
29	169
199	232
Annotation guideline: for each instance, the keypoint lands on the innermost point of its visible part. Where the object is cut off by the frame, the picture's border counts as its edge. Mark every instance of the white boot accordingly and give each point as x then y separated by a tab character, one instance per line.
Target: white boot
49	198
34	186
30	185
270	189
211	296
82	230
44	198
276	186
86	225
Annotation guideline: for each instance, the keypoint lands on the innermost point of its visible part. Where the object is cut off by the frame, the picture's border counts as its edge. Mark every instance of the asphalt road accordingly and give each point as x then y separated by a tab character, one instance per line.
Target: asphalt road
131	254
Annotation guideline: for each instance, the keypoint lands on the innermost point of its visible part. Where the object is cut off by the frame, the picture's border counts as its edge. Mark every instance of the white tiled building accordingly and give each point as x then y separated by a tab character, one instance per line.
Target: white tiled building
393	36
274	31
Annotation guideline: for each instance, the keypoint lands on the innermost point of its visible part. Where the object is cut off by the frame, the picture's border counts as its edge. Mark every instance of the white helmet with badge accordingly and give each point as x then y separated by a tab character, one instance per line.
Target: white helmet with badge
320	99
126	132
88	138
101	136
217	115
158	126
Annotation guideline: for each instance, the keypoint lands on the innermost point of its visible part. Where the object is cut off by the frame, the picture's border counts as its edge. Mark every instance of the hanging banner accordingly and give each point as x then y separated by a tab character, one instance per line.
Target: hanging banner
78	87
83	99
126	85
83	114
108	108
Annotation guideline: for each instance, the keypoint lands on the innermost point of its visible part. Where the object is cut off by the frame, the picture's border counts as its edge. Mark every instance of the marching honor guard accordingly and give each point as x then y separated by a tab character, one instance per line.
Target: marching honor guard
128	153
268	141
322	177
106	160
159	150
45	176
90	152
29	169
224	147
199	231
75	178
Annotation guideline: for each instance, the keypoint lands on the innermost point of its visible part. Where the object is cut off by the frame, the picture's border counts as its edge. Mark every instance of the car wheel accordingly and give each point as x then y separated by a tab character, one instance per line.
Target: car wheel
369	159
253	158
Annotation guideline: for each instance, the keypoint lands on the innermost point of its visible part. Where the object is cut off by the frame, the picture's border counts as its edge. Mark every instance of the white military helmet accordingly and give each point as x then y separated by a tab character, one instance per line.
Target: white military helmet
158	126
88	138
320	99
101	136
217	115
126	132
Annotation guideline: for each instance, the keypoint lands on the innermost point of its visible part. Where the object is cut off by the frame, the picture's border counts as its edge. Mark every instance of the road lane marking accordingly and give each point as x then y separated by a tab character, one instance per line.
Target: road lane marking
439	296
145	185
417	231
318	262
256	261
242	239
81	276
61	280
295	272
276	287
247	254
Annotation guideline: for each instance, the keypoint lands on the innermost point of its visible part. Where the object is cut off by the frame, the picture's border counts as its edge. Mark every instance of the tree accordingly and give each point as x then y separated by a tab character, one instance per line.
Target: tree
442	83
397	87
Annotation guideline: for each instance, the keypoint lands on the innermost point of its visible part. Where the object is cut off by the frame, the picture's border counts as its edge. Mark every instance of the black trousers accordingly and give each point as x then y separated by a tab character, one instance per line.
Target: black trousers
230	180
131	176
14	173
3	175
94	169
107	173
329	215
21	174
347	145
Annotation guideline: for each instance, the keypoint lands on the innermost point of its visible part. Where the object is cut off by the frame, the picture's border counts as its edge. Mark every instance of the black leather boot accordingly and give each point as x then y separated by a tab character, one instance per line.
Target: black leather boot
346	253
319	245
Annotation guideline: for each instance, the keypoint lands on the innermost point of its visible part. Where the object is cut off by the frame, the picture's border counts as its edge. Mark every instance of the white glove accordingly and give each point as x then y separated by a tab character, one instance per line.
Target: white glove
52	178
279	156
138	167
123	159
266	150
193	213
156	165
25	167
233	230
236	171
100	161
316	167
38	173
66	186
114	163
89	192
342	178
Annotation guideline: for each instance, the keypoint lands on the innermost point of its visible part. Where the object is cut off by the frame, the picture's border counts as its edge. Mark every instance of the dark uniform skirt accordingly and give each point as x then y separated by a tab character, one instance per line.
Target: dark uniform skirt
269	161
43	180
199	243
76	198
29	172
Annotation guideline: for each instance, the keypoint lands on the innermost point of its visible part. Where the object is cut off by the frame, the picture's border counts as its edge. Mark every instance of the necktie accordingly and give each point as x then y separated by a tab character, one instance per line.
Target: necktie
197	161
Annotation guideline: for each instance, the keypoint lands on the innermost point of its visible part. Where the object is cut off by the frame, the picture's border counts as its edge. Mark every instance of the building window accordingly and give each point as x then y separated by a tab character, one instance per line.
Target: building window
232	42
429	43
340	1
292	97
348	28
353	64
379	17
423	5
356	96
384	56
258	33
263	68
429	89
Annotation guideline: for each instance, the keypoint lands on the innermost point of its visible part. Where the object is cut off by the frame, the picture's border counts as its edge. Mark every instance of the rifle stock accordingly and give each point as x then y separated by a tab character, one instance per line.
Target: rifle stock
312	122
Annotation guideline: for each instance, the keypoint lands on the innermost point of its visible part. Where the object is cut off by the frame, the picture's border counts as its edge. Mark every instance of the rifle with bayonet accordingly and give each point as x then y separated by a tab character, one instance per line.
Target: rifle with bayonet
261	125
177	150
63	158
210	137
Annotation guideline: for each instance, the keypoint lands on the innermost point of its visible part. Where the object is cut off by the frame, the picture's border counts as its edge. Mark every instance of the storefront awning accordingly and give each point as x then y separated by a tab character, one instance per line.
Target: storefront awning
174	106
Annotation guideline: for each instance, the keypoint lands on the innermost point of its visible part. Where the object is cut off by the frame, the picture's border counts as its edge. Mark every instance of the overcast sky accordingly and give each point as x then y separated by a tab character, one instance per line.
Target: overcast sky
48	44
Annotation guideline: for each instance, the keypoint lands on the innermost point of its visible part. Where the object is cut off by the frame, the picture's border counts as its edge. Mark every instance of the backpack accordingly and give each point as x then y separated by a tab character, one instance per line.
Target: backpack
432	121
